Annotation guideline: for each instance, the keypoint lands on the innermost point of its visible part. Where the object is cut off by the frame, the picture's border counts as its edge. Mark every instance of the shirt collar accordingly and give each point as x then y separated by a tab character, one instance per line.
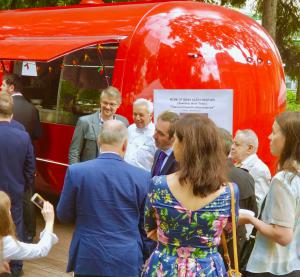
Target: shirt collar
249	159
109	152
168	152
146	128
101	119
16	93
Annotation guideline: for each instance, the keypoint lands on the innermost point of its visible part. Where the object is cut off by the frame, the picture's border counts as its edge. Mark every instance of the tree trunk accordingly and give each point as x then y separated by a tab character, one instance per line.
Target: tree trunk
13	4
298	89
269	17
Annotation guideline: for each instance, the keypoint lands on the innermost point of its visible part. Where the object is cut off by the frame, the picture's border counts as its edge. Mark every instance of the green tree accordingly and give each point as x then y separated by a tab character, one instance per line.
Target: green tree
287	31
17	4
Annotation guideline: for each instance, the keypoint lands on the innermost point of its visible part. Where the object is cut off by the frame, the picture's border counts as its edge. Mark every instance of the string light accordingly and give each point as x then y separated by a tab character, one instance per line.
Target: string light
87	58
100	70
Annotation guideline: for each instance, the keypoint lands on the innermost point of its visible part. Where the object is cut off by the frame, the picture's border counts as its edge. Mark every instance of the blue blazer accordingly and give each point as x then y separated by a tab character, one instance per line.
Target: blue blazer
17	167
105	197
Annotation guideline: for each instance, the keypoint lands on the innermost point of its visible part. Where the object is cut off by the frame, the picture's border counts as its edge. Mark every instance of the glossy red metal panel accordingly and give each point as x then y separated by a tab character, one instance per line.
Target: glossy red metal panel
53	146
43	34
46	49
234	52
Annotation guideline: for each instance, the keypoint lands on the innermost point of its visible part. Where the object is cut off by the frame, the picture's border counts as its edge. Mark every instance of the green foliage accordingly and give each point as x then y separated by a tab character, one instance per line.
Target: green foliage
291	101
288	27
18	4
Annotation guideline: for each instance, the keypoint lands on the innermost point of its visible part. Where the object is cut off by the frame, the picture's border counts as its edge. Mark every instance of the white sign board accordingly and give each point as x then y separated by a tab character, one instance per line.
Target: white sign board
217	104
29	69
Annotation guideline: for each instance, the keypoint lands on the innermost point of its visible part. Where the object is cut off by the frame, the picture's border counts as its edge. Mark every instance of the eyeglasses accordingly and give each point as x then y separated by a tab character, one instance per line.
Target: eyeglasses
113	105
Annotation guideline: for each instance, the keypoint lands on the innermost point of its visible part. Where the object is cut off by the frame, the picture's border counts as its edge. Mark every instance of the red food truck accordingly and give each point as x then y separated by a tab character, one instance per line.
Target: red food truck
66	55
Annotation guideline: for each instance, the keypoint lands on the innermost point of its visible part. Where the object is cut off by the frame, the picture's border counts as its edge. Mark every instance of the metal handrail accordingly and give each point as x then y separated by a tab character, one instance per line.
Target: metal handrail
51	162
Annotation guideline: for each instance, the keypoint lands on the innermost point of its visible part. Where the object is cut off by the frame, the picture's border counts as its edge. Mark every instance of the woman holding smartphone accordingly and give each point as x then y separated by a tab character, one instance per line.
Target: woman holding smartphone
277	244
12	249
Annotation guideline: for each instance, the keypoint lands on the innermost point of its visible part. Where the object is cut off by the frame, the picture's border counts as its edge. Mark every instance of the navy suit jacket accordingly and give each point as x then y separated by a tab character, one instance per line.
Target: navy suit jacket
105	197
17	167
169	167
28	115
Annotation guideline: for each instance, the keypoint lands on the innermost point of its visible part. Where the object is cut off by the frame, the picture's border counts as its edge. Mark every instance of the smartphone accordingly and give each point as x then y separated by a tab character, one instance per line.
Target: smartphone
38	200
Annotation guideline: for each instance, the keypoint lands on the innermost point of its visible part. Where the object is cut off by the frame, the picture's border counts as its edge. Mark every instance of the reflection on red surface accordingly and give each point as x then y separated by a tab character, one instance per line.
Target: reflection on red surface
171	45
53	146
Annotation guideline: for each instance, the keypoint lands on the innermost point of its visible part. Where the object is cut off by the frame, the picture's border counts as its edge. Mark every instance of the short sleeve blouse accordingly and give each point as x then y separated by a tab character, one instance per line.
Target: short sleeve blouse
282	208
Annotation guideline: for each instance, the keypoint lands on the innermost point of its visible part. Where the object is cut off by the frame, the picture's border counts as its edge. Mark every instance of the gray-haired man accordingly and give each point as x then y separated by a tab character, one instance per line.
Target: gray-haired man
243	152
141	146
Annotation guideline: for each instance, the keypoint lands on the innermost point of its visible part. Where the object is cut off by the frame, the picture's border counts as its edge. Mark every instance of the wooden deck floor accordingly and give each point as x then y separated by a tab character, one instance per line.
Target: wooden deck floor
54	265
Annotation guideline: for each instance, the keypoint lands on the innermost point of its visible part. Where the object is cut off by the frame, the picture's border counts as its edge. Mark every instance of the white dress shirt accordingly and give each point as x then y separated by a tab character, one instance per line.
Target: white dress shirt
16	250
141	146
261	175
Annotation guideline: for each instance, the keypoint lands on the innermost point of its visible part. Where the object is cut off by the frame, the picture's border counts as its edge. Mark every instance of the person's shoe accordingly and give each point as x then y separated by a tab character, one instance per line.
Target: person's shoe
17	274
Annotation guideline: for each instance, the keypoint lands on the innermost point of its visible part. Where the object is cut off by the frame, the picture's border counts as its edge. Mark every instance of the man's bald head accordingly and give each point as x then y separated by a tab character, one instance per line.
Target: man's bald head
113	133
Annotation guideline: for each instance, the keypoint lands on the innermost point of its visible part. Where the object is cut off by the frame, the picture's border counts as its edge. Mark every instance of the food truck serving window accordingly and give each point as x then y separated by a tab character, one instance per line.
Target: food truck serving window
68	87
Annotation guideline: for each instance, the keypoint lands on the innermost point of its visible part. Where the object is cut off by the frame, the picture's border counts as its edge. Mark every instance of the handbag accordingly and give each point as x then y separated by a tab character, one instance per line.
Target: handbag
231	271
249	244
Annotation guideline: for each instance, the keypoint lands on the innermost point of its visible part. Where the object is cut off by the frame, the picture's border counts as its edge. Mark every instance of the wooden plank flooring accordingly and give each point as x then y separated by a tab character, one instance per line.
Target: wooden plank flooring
54	265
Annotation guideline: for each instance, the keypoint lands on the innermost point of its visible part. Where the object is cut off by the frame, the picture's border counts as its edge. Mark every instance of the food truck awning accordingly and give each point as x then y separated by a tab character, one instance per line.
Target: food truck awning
47	33
45	48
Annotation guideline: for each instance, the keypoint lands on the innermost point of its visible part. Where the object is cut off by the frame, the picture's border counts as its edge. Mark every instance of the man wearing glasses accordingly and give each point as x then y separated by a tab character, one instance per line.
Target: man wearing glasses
84	142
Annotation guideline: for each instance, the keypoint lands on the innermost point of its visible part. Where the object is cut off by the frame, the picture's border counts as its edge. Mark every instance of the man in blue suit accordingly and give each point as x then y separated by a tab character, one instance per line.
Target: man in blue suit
17	166
164	161
105	197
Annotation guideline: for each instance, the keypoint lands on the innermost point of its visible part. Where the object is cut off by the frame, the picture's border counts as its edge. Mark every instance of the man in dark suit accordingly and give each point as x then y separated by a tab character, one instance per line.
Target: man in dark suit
25	113
164	160
246	185
17	167
105	197
84	142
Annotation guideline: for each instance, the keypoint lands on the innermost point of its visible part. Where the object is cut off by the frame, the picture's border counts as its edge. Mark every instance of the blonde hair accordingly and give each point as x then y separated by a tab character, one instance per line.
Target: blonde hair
7	226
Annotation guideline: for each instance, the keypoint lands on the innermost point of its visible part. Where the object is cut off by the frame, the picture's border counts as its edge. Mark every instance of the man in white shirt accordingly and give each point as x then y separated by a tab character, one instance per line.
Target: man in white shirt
141	147
243	152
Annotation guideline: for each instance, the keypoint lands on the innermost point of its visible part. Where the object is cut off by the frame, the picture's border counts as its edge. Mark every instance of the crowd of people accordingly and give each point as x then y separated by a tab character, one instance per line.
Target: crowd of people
153	199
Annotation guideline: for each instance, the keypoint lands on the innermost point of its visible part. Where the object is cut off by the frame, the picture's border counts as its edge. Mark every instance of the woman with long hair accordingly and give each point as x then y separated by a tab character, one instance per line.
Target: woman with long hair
187	211
277	244
11	248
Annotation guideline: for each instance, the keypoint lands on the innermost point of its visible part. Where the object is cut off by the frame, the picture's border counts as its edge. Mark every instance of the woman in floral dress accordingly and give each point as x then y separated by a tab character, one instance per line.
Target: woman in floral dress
187	211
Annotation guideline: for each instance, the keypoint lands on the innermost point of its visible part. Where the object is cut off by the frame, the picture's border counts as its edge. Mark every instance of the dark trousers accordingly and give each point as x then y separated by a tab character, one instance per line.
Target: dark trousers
17	215
266	274
29	216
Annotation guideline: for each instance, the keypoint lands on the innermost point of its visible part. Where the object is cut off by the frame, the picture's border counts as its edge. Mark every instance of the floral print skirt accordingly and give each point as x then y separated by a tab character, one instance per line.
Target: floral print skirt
171	261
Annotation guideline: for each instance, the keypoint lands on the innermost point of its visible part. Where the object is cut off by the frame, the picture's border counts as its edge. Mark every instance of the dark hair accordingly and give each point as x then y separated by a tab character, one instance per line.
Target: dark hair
15	80
227	140
170	117
289	123
6	104
203	163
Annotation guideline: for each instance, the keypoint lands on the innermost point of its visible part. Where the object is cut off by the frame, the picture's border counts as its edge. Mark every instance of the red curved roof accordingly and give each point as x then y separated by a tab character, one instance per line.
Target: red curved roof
45	34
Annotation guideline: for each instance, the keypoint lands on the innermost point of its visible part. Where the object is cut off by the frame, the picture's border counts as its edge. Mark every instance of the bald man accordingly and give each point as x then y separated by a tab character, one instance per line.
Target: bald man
105	197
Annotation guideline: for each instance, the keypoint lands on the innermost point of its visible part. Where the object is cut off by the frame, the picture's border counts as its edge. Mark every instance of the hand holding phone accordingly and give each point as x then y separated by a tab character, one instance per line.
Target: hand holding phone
38	200
47	210
48	213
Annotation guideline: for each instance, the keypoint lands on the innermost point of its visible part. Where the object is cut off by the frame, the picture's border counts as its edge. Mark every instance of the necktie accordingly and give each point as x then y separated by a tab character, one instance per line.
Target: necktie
159	163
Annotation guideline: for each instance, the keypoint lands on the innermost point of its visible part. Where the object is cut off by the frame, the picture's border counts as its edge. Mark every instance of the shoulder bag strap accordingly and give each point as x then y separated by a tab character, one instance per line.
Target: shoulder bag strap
234	239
